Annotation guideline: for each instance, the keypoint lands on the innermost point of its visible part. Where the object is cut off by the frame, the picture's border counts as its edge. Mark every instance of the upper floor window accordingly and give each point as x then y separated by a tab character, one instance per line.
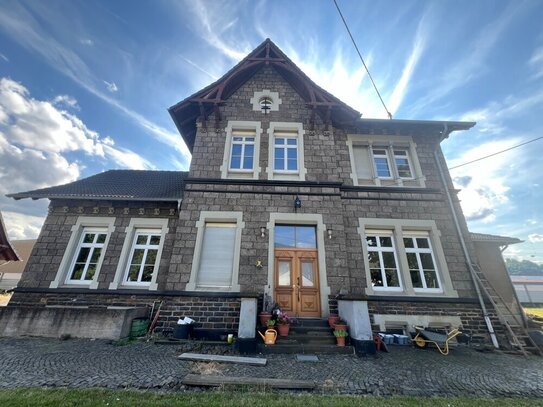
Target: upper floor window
241	150
384	161
286	153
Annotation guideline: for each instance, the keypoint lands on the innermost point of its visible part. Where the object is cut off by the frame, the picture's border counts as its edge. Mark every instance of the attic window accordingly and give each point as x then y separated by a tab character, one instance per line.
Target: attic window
266	104
265	101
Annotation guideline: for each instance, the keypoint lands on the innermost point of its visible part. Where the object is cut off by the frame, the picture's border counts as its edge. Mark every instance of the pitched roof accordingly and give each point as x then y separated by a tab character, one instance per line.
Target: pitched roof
206	101
7	253
23	248
123	185
500	240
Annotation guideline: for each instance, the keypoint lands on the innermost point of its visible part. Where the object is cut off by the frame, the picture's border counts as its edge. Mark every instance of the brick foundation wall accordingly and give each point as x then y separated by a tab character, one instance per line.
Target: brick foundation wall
220	313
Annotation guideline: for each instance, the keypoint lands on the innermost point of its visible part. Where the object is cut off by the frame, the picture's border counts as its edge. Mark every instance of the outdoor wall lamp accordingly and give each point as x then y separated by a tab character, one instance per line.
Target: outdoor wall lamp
329	231
297	203
262	231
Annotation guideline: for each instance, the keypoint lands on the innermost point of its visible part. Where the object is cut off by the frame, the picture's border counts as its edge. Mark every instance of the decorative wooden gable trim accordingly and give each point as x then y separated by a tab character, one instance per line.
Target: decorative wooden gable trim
206	102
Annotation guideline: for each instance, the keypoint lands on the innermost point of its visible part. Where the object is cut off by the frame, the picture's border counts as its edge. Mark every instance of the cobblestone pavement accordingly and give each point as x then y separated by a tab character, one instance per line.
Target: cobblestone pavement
403	371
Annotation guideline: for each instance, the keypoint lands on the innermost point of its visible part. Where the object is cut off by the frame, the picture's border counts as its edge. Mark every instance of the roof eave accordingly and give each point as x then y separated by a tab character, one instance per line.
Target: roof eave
96	198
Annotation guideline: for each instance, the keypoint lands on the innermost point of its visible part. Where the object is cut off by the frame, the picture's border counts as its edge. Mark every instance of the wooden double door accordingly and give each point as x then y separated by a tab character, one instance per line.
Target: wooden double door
297	282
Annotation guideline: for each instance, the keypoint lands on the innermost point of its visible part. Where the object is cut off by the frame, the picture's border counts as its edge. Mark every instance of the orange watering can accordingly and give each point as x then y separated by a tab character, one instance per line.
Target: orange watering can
269	336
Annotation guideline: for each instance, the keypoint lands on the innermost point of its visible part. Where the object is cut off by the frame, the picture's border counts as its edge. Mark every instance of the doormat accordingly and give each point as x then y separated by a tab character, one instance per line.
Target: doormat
307	358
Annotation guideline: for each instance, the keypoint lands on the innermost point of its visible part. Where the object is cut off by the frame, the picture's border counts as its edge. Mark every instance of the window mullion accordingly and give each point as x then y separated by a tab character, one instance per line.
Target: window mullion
89	257
142	265
421	270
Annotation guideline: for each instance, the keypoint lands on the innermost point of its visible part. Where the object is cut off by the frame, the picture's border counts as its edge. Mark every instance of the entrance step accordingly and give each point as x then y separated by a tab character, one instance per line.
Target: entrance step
302	348
311	322
307	339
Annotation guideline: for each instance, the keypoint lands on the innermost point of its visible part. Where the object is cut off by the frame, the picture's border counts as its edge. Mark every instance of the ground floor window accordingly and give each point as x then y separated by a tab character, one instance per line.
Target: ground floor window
143	256
88	253
404	257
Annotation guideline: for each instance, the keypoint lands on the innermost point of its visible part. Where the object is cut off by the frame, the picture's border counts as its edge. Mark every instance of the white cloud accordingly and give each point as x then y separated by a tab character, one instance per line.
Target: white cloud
21	226
536	62
484	185
535	237
111	86
5	58
86	41
66	101
18	23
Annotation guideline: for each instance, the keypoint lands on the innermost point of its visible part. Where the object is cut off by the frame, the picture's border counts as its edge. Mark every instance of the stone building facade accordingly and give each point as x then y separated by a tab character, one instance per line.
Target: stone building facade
365	200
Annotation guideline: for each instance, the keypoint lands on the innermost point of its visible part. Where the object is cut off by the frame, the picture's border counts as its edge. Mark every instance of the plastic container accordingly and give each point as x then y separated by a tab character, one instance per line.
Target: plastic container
182	331
139	327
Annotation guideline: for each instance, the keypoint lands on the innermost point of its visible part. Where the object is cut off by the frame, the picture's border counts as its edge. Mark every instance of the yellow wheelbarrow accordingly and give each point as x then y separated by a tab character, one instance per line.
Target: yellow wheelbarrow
441	341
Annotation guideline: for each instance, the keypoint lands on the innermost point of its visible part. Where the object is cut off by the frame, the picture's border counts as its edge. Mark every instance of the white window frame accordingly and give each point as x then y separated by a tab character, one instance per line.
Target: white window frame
401	228
243	143
146	248
379	250
386	157
290	130
72	250
243	129
389	144
216	217
92	246
135	225
407	156
285	147
417	251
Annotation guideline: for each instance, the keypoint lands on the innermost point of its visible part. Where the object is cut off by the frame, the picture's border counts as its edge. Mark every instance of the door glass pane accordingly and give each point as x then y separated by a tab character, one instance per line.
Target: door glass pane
284	272
285	236
305	237
308	277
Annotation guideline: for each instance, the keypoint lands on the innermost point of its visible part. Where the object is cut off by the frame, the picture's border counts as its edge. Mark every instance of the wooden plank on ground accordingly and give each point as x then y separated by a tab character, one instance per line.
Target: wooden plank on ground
199	357
214	381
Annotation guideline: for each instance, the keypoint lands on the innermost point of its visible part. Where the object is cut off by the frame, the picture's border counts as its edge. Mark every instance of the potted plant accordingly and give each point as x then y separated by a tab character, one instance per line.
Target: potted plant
283	323
332	318
270	323
340	324
266	314
340	335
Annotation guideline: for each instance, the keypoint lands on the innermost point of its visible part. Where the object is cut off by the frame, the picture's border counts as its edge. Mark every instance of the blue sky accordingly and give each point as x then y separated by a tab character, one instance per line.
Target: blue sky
85	86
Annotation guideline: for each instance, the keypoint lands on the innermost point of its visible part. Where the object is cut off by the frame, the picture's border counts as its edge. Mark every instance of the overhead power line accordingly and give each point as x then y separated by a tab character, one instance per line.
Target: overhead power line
499	152
362	59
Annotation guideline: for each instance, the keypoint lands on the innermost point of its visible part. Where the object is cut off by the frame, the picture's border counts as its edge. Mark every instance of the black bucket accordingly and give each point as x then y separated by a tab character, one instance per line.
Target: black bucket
182	331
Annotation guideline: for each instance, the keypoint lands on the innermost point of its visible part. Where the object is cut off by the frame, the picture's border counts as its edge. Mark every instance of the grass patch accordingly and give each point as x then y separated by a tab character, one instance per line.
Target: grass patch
534	311
103	397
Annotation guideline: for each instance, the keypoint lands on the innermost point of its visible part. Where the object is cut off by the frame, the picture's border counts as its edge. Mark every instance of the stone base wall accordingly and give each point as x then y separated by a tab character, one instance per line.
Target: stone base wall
210	312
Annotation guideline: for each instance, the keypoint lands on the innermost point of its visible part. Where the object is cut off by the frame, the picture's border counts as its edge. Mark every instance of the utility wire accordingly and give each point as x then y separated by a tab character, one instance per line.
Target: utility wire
499	152
362	59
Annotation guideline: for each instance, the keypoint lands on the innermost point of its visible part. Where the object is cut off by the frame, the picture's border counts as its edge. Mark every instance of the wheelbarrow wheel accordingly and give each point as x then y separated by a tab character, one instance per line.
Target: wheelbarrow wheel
420	342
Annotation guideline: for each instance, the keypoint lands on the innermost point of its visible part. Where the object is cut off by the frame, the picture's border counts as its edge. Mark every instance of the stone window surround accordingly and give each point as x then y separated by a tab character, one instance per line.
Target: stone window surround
133	226
73	244
388	142
226	172
299	219
216	216
257	97
398	226
302	171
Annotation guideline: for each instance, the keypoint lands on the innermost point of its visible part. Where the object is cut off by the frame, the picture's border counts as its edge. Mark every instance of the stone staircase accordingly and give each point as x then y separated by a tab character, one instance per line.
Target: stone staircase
307	336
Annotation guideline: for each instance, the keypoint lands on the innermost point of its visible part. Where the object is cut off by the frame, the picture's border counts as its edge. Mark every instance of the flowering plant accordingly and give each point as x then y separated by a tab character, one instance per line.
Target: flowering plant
283	318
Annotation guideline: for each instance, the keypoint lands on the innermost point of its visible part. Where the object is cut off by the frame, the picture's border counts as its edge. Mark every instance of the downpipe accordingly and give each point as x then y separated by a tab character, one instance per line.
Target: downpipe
463	244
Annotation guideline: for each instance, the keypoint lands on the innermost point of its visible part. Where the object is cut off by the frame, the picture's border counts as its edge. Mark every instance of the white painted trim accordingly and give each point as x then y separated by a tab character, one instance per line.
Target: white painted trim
299	219
216	216
226	172
139	223
398	226
274	96
73	244
408	321
286	175
388	143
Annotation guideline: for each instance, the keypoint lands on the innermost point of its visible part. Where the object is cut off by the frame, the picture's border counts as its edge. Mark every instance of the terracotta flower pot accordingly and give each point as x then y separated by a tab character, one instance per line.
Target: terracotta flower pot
342	327
340	340
332	318
283	329
264	317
